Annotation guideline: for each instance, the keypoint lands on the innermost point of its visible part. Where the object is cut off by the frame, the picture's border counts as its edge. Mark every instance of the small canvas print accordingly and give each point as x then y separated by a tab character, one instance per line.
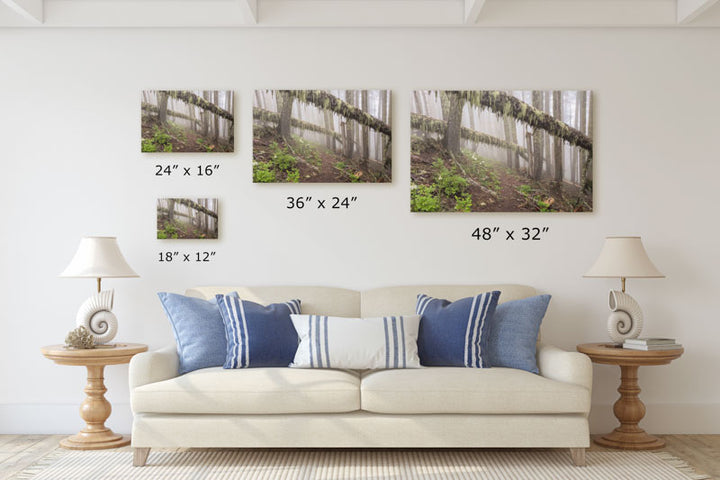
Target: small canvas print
187	121
322	136
187	218
501	151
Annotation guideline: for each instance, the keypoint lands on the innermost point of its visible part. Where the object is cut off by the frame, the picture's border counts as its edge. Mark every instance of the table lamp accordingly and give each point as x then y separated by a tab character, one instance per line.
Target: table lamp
623	257
98	257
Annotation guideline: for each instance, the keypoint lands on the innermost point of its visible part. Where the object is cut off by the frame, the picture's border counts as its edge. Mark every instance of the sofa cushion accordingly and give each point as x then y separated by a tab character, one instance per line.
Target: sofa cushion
513	333
454	334
251	391
198	329
358	343
257	335
469	390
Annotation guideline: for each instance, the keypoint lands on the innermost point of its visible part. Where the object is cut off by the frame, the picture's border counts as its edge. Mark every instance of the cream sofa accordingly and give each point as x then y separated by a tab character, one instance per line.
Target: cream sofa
434	407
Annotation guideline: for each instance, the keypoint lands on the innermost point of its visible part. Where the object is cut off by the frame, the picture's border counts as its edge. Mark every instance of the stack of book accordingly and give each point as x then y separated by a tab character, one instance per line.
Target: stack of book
651	344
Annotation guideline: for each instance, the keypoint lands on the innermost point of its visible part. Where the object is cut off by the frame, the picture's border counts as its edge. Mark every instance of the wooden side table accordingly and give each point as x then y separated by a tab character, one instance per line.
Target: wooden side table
629	410
95	409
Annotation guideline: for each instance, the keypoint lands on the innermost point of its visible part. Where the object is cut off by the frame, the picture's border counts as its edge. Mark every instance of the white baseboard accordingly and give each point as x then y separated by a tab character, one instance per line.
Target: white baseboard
65	419
664	418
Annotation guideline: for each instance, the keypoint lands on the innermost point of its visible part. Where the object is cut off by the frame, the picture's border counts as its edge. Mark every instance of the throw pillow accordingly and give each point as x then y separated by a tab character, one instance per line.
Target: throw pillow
454	334
356	343
198	329
514	332
257	335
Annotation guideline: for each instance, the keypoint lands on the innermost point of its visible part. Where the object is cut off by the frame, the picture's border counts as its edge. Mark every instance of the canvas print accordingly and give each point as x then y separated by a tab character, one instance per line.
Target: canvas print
501	151
187	121
187	218
322	136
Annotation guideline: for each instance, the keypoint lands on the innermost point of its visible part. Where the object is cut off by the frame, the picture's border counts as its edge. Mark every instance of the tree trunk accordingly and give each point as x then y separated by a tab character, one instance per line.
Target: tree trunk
162	97
349	137
329	139
205	116
557	142
365	132
452	136
216	117
536	160
286	103
171	209
511	155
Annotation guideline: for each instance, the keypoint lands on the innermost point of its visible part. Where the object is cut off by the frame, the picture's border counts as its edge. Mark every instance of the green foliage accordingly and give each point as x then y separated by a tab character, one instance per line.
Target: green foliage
424	199
281	167
160	141
148	145
448	182
262	173
168	230
349	172
307	151
481	169
293	176
542	203
205	145
281	159
525	189
463	203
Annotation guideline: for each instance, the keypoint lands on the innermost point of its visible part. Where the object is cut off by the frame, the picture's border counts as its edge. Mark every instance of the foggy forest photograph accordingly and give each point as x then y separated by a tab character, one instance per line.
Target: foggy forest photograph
187	218
501	151
187	121
322	136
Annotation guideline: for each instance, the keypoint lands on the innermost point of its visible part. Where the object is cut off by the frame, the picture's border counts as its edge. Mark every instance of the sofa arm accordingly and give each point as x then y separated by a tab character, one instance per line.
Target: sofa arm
569	367
151	367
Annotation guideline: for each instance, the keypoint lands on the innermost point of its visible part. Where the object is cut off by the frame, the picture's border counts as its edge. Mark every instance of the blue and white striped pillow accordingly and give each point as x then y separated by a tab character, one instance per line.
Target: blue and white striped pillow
454	334
356	343
257	335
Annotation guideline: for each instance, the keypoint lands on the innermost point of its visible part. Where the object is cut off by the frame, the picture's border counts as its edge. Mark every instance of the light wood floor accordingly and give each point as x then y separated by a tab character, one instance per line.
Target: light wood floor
19	451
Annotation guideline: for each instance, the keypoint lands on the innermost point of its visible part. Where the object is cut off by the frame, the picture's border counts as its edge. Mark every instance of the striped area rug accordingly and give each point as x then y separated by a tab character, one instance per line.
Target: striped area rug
357	464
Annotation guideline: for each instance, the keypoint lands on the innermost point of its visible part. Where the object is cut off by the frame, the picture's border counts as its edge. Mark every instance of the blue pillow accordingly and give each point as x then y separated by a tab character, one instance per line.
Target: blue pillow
455	334
199	331
514	332
258	336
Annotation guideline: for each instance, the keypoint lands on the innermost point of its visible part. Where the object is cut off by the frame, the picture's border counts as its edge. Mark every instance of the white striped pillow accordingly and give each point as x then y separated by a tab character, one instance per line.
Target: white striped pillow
356	343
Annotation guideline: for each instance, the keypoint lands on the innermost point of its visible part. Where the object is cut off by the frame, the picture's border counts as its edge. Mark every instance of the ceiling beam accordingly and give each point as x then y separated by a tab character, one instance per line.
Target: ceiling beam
249	8
689	10
30	9
472	10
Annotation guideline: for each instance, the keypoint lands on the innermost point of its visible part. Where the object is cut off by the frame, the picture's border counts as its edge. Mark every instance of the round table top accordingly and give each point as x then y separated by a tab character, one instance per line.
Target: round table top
612	354
112	354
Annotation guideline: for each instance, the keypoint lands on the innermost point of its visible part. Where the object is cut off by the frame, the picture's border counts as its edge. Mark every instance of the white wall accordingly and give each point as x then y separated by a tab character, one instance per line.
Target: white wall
70	166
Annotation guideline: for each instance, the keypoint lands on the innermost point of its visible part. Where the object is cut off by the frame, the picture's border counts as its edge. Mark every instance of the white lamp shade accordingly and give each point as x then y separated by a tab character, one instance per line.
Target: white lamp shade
98	257
623	257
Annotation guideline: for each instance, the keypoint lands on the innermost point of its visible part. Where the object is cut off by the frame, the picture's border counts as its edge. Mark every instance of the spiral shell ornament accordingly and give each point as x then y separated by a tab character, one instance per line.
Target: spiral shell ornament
626	319
95	314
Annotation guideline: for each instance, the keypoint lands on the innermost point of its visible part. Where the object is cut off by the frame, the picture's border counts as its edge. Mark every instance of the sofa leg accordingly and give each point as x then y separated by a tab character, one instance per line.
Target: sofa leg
140	456
578	456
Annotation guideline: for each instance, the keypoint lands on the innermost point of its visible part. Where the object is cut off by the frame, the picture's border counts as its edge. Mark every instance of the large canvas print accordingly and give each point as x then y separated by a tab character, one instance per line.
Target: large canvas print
187	218
322	136
501	151
188	121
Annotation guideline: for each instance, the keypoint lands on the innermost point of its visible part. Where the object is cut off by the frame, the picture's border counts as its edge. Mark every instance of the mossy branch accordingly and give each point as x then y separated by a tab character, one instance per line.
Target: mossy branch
148	107
195	206
192	99
503	104
327	101
428	124
268	116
